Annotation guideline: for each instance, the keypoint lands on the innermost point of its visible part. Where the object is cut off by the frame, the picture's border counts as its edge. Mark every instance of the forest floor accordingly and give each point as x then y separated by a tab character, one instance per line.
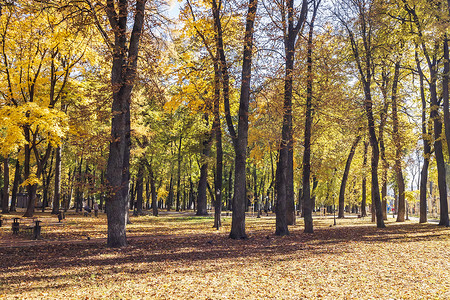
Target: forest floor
180	256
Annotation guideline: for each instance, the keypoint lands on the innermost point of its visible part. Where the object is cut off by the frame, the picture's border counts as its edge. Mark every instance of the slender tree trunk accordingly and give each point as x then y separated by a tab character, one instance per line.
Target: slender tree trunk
219	152
398	147
15	186
345	177
426	147
57	192
5	192
153	192
202	183
46	180
363	186
383	118
169	201
290	194
240	193
177	208
140	188
375	158
307	201
440	162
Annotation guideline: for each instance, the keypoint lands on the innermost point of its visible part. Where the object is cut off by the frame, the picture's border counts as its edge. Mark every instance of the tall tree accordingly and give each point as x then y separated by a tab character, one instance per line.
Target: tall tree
284	186
363	47
433	60
241	139
123	72
345	177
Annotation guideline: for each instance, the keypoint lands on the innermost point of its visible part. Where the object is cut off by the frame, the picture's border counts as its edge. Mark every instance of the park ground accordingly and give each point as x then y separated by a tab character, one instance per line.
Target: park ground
180	256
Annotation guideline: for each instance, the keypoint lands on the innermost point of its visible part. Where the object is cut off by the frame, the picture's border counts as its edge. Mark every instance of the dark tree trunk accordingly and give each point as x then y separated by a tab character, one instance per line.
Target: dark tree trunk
440	162
140	188
147	193
345	177
46	180
202	183
384	162
219	152
284	167
240	193
308	206
57	192
398	147
32	188
426	147
230	189
169	201
153	192
123	73
363	187
132	193
290	194
375	157
102	194
5	191
177	205
15	186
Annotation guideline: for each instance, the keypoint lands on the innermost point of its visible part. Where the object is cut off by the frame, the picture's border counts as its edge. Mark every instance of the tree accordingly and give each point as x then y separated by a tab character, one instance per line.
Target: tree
240	195
284	184
345	176
123	72
363	48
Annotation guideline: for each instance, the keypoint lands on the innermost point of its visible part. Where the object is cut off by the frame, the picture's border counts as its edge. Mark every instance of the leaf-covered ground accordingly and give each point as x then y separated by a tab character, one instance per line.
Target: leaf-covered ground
183	257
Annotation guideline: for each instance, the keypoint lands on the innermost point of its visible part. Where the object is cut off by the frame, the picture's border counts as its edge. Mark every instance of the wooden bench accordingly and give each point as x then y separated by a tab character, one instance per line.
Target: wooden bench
33	229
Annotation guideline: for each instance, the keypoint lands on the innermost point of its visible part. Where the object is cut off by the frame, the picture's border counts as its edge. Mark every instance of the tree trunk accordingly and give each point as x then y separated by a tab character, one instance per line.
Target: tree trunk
57	192
345	177
284	188
240	193
375	157
363	186
383	117
290	194
219	152
140	188
15	186
123	73
398	147
440	162
153	192
177	205
169	201
202	183
5	192
308	206
426	147
46	180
